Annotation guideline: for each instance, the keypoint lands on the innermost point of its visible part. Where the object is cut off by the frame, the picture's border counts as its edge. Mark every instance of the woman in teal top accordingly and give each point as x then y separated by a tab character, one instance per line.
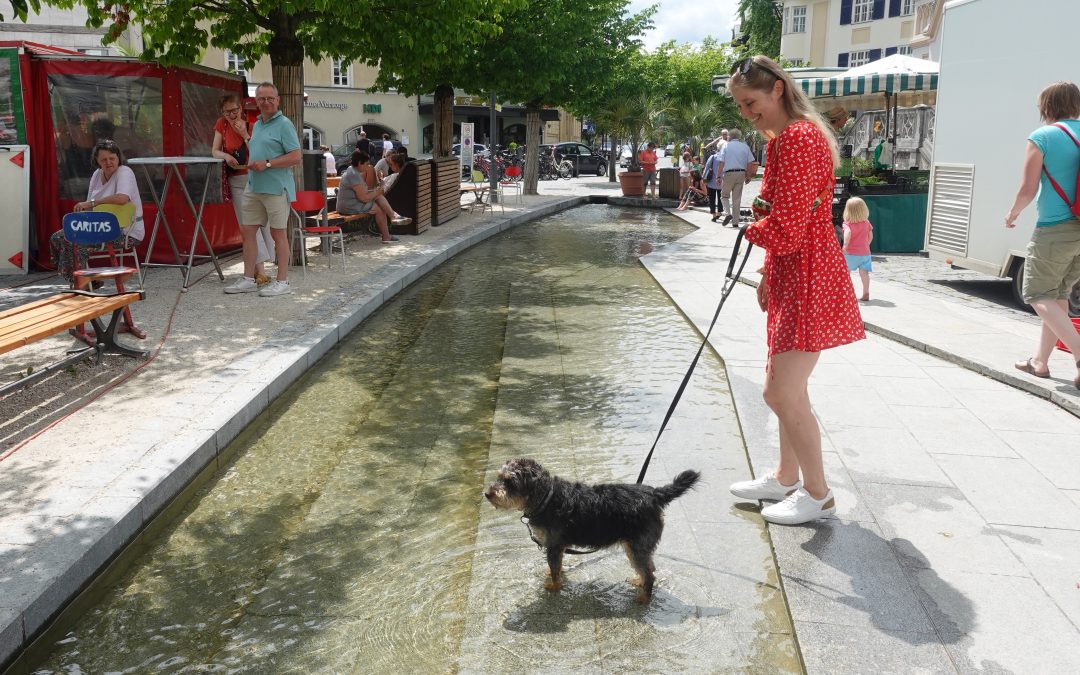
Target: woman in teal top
1052	265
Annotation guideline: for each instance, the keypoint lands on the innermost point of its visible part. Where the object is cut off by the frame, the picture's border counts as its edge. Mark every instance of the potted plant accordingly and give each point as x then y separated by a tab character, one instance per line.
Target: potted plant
629	118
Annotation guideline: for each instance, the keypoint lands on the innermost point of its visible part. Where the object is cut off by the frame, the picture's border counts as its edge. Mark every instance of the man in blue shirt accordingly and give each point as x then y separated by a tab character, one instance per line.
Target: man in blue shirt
273	150
737	167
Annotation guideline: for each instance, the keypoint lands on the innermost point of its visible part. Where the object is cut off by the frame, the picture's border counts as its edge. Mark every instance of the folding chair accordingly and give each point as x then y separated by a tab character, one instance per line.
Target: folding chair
513	183
479	188
96	228
306	202
125	214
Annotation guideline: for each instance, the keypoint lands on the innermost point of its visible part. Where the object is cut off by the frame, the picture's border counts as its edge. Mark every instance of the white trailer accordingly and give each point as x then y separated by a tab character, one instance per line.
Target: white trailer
996	56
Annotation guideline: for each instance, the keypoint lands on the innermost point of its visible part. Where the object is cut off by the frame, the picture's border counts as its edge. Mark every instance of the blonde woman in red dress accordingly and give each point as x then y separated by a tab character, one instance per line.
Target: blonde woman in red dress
806	289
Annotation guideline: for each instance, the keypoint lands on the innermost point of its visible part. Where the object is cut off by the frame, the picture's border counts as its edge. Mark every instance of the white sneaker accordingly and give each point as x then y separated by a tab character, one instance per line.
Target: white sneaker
275	287
766	487
242	285
799	508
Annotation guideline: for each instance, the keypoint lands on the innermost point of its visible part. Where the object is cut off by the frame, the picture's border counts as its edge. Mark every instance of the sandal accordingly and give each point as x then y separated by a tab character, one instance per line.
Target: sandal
1027	367
1076	380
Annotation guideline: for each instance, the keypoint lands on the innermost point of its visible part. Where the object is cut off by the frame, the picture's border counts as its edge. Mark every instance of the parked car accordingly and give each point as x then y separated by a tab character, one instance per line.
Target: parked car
478	149
342	157
584	158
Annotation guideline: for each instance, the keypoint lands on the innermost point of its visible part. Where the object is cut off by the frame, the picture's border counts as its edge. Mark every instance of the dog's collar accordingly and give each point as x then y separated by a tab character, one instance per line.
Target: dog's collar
543	504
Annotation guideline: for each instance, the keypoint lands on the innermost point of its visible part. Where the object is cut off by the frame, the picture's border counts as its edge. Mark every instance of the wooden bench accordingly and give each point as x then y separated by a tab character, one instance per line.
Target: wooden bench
341	219
26	324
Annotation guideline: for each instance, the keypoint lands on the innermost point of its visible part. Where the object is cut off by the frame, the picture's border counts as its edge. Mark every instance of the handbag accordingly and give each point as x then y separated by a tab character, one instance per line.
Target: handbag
709	170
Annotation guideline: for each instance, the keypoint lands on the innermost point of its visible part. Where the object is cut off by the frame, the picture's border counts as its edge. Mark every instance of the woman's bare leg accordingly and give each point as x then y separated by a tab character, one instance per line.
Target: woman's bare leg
786	395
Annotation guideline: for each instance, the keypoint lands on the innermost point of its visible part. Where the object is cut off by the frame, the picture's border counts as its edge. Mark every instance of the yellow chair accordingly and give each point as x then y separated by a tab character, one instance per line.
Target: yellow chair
125	214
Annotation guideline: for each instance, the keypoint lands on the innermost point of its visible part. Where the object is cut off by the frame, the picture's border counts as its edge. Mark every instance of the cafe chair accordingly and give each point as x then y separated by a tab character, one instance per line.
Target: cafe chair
125	214
512	182
479	189
93	230
314	202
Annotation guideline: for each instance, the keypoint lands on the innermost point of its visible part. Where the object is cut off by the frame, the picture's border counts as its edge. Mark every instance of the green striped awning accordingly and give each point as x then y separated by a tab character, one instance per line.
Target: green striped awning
860	85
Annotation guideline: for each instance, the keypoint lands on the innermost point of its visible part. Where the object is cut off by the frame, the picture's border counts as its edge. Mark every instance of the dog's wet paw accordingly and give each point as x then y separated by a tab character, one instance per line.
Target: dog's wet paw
643	598
553	585
636	581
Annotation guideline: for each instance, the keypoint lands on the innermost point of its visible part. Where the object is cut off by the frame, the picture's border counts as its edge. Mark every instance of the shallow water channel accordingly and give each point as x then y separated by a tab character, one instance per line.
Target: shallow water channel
349	534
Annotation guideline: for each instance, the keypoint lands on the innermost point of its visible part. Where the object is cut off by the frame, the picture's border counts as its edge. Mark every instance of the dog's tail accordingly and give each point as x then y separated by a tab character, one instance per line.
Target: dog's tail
683	482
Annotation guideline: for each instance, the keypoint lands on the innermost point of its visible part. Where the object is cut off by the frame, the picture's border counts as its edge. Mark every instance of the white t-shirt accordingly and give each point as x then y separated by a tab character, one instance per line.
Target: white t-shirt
387	148
331	164
122	182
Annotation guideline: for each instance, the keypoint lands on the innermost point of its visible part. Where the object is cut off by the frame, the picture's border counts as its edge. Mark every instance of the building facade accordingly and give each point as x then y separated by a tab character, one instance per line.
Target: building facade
846	33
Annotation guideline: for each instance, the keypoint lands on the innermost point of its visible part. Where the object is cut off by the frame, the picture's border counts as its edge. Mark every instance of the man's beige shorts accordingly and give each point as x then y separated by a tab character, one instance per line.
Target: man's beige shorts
262	209
1052	266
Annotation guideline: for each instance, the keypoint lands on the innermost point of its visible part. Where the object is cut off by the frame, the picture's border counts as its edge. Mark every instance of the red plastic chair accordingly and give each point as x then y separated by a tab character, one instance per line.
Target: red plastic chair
511	182
313	201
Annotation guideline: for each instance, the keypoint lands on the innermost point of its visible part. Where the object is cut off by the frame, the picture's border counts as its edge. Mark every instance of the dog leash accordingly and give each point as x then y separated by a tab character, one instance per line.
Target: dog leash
731	277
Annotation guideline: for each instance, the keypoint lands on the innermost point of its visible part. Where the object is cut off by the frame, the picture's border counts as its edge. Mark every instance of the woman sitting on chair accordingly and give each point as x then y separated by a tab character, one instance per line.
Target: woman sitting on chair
112	183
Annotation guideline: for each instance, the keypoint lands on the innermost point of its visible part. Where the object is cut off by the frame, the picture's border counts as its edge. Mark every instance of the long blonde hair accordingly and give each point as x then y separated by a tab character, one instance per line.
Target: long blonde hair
761	73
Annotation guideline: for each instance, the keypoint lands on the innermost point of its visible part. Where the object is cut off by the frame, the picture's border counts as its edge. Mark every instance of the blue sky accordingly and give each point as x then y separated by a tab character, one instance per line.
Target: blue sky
688	20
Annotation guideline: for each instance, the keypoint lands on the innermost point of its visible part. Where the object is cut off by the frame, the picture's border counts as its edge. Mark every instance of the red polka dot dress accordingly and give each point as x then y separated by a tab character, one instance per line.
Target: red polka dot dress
811	303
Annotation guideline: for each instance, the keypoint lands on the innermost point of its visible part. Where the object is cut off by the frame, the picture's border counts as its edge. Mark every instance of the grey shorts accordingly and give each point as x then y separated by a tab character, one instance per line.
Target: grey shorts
263	209
650	178
1052	266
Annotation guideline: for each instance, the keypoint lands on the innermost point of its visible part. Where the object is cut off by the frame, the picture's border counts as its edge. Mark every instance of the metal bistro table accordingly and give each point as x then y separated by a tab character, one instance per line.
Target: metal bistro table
171	167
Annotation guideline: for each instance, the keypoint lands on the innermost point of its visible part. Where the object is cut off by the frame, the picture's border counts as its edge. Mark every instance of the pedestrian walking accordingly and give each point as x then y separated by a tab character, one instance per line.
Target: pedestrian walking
1052	265
647	159
858	233
273	150
737	167
805	290
712	177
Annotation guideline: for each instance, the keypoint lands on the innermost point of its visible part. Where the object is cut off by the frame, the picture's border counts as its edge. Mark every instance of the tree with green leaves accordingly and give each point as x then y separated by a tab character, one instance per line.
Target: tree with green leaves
762	23
176	31
554	53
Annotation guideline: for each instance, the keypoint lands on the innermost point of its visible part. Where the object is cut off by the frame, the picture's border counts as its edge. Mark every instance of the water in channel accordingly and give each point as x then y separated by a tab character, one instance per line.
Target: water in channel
348	532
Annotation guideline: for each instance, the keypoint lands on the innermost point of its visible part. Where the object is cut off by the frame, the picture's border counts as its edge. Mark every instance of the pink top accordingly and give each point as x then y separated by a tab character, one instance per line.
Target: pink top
858	237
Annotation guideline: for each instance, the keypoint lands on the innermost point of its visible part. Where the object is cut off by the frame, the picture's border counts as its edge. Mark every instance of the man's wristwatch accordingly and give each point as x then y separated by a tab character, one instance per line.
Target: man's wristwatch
269	165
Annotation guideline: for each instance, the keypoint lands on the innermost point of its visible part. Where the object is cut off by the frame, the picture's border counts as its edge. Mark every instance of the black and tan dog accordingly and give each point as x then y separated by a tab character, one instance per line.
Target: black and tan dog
563	514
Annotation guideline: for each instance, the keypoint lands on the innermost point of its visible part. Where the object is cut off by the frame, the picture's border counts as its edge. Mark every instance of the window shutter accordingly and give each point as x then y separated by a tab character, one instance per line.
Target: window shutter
842	60
875	54
845	14
894	7
879	9
889	51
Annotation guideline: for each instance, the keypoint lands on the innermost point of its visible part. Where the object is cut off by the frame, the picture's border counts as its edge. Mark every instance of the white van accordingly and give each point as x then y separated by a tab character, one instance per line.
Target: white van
996	56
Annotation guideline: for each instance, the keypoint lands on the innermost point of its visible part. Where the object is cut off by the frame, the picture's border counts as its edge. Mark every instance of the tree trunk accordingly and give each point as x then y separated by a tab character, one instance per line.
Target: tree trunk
287	71
444	121
532	147
615	150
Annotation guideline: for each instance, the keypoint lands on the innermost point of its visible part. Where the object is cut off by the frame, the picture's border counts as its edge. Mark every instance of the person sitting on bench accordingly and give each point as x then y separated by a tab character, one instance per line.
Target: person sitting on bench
354	196
112	183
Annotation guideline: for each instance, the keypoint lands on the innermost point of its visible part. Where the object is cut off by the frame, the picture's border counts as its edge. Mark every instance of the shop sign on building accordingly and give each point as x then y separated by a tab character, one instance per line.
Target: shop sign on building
320	103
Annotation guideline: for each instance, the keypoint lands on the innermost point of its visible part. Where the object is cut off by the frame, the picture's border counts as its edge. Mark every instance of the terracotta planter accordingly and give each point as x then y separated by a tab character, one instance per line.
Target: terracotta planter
633	183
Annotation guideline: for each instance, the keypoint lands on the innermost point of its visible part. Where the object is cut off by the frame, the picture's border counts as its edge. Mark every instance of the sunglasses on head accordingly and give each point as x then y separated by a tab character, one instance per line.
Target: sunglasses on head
743	67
